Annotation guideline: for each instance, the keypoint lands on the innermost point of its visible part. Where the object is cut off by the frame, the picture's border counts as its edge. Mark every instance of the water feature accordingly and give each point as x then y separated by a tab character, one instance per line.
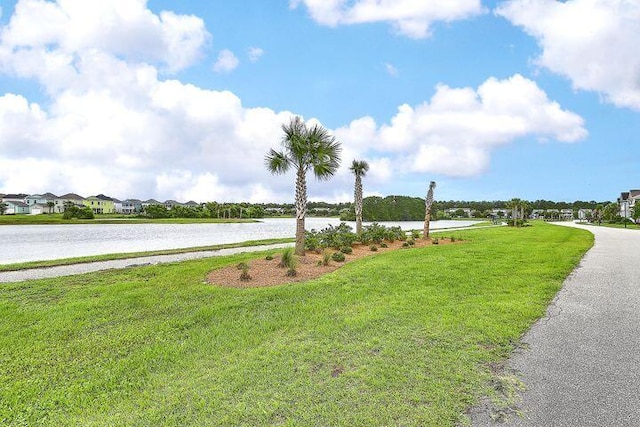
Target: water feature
22	243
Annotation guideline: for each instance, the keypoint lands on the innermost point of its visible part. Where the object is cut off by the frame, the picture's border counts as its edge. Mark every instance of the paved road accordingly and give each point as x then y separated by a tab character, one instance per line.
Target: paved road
69	270
582	364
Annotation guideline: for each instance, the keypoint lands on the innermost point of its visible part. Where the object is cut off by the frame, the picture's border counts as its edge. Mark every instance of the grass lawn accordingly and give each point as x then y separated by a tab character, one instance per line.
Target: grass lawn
402	338
107	219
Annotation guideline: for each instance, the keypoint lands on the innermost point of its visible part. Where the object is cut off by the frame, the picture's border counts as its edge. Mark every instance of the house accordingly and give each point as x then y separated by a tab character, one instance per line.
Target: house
15	197
627	202
39	209
100	204
15	207
459	212
537	214
131	206
566	214
585	214
69	199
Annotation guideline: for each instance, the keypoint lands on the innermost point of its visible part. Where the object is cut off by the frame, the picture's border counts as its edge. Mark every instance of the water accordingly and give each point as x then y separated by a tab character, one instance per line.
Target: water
22	243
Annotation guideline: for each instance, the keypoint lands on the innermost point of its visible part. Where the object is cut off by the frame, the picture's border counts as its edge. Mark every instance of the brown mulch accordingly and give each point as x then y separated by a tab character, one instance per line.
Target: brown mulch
267	273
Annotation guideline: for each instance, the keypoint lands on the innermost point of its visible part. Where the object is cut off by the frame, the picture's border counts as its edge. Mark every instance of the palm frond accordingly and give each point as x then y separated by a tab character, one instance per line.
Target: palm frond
277	162
359	167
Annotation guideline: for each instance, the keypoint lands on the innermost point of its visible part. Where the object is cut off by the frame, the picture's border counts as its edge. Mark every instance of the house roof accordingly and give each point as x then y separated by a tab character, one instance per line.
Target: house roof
103	197
71	196
152	202
17	203
50	196
634	193
15	196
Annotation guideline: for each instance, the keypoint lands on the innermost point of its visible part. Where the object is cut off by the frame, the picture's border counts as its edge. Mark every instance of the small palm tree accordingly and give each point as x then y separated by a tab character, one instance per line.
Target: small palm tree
359	169
304	149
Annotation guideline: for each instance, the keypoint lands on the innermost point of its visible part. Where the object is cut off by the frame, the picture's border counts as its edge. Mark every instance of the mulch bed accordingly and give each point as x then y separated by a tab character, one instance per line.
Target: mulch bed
267	273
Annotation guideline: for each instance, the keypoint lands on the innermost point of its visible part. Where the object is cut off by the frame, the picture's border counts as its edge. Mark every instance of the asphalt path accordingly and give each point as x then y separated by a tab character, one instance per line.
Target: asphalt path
89	267
581	362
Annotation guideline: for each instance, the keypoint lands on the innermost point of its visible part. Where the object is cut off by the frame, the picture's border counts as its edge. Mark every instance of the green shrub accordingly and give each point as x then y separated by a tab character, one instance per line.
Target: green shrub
326	256
269	257
338	257
436	241
411	242
287	258
346	250
405	244
415	234
373	248
383	245
244	268
453	239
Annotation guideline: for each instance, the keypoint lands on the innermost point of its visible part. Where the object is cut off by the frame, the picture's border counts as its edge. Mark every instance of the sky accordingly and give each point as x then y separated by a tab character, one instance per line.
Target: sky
492	99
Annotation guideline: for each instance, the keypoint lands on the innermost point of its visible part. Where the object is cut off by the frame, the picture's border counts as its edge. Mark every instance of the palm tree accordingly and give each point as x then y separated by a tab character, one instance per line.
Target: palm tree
305	149
359	169
428	202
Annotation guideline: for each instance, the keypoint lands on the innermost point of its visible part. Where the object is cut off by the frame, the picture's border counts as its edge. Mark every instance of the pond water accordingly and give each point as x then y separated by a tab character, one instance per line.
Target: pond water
22	243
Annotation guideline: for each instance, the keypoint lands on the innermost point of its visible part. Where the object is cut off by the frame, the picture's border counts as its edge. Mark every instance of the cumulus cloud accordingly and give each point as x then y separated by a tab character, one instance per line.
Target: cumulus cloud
412	18
110	124
455	133
255	53
227	62
591	42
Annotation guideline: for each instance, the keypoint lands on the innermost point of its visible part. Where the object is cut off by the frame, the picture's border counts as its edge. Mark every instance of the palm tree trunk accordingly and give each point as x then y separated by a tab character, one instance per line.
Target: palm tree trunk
427	221
301	210
358	204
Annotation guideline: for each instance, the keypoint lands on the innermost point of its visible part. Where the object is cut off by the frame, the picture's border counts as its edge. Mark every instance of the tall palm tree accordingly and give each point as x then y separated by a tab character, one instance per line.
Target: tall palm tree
304	149
428	202
359	169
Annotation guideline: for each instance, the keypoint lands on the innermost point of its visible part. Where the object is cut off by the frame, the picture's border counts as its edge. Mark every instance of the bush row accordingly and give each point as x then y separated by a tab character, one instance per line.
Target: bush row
342	236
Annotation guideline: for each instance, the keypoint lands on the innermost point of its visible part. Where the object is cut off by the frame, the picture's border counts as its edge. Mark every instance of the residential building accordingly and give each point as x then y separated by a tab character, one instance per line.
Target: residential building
627	202
69	198
171	203
131	206
39	209
20	197
100	204
15	207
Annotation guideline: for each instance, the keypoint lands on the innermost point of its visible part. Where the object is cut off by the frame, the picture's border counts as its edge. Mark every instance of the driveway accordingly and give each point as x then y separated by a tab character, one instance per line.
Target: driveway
581	362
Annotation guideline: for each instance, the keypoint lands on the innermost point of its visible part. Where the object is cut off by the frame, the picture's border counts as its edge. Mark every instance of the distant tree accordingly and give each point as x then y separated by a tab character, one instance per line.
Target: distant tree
359	169
304	149
610	212
157	211
3	208
635	212
50	204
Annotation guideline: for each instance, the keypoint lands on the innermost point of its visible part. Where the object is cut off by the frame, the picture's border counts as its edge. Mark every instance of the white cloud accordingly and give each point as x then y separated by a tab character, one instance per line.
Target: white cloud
390	69
255	53
124	28
594	43
226	62
456	132
412	18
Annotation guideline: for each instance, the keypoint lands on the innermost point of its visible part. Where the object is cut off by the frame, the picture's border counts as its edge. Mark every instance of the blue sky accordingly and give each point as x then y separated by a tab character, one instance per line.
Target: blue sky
536	99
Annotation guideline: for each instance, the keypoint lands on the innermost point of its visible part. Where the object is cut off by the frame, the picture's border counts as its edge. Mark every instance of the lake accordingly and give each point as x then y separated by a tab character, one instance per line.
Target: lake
22	243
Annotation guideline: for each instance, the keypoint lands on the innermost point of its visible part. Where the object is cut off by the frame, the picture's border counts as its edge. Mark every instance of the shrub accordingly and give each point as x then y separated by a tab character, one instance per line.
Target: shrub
292	272
326	256
244	268
346	250
411	242
436	241
269	257
287	258
415	234
453	239
405	244
336	237
338	257
373	248
311	240
383	245
373	233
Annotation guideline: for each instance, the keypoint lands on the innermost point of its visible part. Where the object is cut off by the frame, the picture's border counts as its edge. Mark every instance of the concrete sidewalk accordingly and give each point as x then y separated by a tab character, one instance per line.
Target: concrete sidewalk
581	362
73	269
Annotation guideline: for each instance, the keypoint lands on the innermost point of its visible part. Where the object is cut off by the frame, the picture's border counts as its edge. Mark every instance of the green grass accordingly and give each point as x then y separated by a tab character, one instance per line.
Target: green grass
109	257
108	219
401	338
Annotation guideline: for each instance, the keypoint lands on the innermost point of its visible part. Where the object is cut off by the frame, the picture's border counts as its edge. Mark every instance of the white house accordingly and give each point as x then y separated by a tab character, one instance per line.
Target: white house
627	201
15	207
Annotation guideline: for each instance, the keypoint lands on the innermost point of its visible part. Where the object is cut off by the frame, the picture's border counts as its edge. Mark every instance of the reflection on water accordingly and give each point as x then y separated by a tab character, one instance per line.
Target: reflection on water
21	243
